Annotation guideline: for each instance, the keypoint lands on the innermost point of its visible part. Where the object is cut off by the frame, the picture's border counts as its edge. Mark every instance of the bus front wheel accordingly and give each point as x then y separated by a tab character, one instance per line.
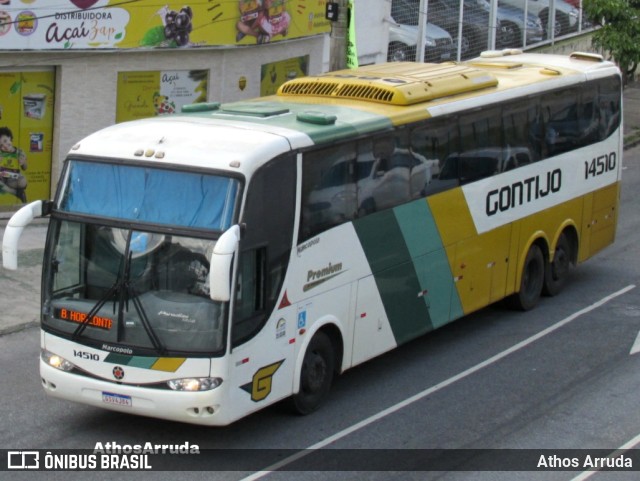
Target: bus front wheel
532	281
316	374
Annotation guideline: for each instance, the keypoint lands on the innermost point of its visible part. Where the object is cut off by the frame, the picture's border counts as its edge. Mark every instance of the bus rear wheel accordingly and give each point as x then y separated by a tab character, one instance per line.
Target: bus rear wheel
556	272
316	375
532	281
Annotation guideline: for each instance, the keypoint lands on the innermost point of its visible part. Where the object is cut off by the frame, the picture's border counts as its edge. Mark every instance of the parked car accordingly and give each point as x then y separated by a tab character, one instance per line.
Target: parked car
403	35
566	18
512	24
476	164
403	40
474	36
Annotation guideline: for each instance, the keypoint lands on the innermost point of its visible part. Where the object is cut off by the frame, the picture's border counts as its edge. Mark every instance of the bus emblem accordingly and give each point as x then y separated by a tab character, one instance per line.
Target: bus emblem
260	385
317	277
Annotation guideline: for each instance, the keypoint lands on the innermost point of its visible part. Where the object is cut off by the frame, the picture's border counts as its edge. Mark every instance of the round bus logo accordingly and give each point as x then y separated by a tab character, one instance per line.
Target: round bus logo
118	372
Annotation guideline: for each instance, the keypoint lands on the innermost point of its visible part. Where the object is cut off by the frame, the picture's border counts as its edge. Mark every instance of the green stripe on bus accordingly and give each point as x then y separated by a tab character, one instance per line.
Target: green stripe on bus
114	358
133	361
167	364
430	261
395	275
350	122
143	362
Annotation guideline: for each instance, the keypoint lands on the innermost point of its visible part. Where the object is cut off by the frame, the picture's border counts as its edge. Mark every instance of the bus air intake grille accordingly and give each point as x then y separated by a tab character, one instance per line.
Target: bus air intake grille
338	89
394	83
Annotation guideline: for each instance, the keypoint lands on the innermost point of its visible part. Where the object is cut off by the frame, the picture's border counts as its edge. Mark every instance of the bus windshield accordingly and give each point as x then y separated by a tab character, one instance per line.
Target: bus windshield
144	194
117	273
128	287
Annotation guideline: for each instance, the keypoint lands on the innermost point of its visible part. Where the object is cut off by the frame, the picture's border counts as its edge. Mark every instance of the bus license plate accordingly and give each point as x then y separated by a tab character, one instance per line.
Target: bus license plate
117	399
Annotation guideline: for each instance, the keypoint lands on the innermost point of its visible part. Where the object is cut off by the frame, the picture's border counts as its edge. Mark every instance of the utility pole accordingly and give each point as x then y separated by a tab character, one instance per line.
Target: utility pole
422	30
339	35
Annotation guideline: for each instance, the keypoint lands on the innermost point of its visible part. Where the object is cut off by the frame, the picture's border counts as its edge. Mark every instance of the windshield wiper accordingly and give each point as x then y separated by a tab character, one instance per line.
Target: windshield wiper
155	340
95	309
129	293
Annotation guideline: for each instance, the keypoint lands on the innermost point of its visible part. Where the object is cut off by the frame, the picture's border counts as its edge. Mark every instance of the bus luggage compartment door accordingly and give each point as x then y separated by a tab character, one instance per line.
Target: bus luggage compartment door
372	332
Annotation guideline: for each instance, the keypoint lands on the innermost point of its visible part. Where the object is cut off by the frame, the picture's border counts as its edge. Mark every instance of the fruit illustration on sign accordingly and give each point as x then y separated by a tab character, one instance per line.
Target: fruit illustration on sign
178	26
174	31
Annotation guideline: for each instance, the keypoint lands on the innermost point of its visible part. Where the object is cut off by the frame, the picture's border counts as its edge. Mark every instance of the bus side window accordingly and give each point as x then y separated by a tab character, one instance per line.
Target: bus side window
609	105
519	131
589	122
329	188
436	141
265	245
250	291
481	145
562	129
387	183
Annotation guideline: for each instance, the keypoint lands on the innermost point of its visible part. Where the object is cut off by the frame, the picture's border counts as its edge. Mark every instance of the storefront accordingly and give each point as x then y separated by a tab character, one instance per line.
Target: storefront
71	68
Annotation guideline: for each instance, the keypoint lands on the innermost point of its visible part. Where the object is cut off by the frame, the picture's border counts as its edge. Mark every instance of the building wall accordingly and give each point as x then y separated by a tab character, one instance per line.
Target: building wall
86	81
576	43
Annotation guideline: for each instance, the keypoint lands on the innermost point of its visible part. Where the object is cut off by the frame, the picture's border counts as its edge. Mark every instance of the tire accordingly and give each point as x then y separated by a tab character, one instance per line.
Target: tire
316	375
558	28
557	272
510	35
544	20
466	46
531	282
399	52
557	25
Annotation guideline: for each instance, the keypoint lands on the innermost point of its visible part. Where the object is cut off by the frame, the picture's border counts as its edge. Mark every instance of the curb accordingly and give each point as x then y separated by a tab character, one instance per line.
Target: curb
18	327
634	139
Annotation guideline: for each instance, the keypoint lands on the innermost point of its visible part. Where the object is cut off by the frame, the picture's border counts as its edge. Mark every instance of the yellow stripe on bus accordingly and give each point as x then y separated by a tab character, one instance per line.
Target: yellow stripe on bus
168	364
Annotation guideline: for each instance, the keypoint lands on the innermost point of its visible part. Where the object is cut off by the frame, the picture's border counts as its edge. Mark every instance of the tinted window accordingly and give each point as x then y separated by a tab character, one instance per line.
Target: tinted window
354	179
265	245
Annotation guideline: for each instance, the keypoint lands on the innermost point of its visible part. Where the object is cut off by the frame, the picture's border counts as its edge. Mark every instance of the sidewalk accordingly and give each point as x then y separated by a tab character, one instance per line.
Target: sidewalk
20	290
631	116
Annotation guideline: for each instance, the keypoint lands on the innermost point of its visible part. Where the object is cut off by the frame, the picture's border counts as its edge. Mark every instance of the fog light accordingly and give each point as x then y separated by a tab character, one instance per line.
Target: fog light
195	384
56	361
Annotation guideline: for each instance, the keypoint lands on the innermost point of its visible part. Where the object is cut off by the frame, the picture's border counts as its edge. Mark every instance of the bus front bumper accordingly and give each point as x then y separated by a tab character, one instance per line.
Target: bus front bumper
202	407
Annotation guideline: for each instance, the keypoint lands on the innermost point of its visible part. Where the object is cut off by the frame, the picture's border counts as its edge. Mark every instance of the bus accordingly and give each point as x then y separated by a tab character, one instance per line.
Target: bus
203	265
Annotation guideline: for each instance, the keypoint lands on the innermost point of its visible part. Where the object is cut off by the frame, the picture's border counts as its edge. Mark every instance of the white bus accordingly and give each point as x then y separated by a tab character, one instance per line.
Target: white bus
201	266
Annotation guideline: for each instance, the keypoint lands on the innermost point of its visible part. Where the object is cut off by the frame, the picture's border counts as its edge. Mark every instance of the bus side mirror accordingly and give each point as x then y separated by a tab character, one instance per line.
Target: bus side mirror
220	266
16	225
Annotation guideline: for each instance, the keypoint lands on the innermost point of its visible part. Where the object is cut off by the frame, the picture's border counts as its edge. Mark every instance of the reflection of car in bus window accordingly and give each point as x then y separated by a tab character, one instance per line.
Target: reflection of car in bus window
393	179
477	164
381	177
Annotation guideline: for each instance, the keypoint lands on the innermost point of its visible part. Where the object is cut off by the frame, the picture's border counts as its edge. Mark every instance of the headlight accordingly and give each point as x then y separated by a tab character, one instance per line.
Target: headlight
56	361
195	383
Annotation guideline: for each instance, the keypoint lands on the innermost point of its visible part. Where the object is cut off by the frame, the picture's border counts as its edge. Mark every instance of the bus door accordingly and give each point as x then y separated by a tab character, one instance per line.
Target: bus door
262	326
372	333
